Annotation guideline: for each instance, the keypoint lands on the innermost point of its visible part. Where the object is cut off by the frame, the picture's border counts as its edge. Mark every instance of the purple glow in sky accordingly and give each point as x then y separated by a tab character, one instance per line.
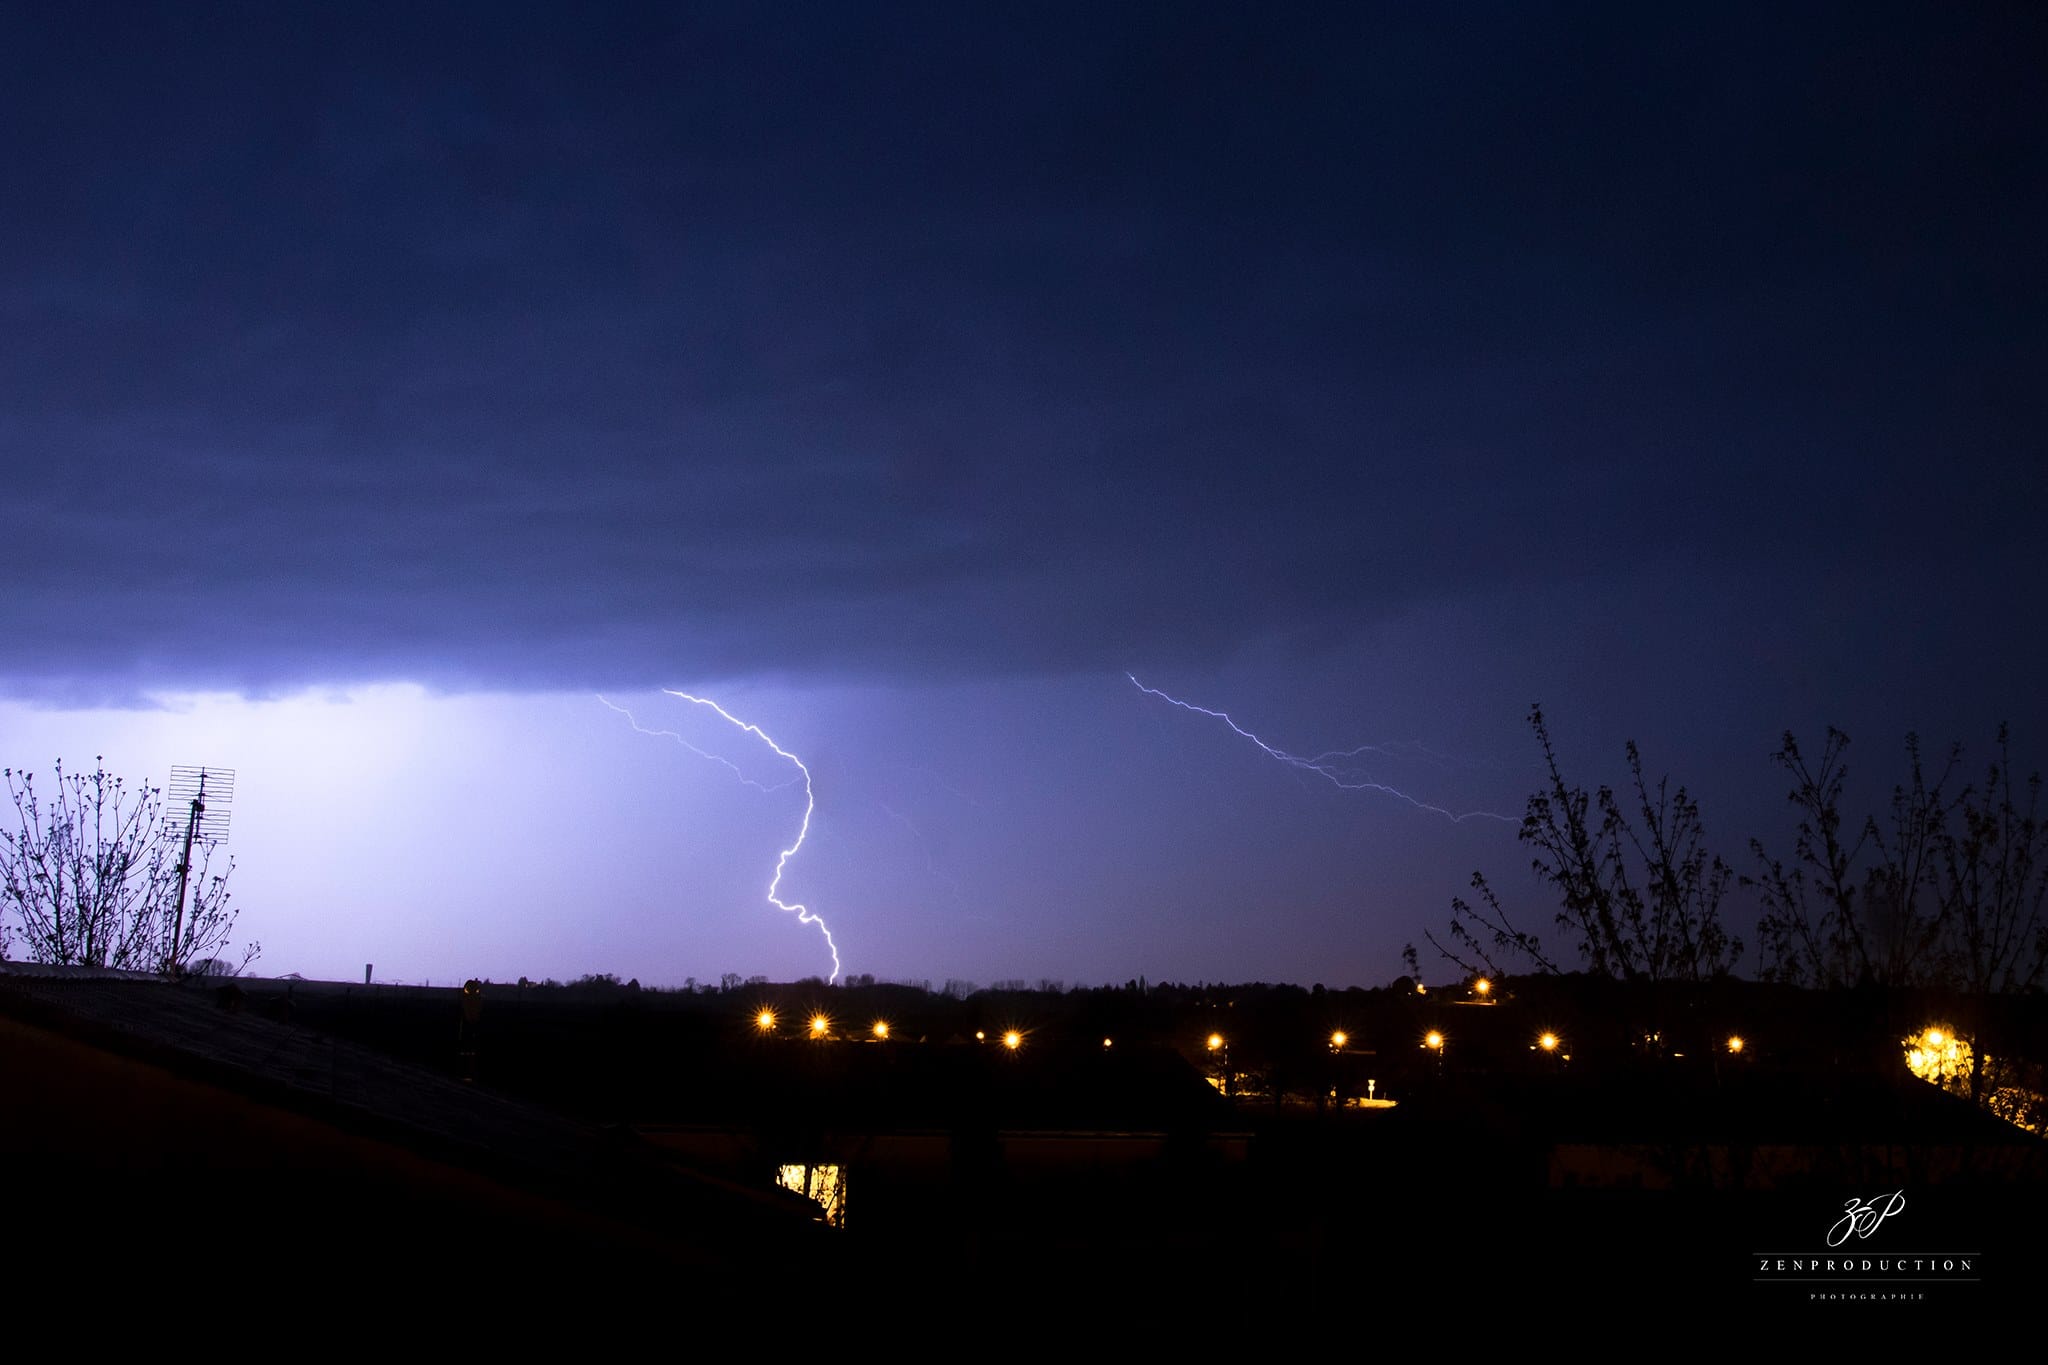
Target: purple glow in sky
390	379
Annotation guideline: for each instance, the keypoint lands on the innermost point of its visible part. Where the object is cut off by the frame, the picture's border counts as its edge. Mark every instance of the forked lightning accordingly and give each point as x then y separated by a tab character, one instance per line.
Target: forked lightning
803	913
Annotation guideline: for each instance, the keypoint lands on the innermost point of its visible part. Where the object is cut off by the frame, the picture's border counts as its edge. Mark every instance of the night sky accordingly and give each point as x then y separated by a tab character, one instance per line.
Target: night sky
388	383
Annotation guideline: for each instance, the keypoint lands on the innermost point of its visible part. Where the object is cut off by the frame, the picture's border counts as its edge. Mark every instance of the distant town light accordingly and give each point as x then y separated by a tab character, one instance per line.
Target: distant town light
1735	1042
1433	1041
1013	1040
820	1025
1105	1042
1339	1038
1483	986
881	1028
980	1037
1548	1042
1215	1041
765	1021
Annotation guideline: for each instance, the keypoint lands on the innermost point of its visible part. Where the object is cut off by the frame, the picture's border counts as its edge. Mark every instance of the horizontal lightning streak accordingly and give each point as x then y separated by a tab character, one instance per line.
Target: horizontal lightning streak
1324	764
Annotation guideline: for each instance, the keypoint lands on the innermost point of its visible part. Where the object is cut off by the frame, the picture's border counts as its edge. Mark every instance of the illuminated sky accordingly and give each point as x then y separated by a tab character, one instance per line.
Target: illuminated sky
387	382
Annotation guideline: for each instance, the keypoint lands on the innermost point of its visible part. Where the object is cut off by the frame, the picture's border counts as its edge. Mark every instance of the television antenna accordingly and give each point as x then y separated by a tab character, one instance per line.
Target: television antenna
205	794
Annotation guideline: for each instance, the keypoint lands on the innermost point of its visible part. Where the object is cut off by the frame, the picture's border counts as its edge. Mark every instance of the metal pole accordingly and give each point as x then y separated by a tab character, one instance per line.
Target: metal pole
185	870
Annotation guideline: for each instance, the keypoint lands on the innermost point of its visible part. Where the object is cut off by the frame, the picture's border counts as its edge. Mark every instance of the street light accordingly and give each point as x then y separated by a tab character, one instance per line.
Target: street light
820	1025
1013	1040
1735	1042
1217	1049
881	1029
1338	1039
765	1021
1434	1041
1483	987
1548	1042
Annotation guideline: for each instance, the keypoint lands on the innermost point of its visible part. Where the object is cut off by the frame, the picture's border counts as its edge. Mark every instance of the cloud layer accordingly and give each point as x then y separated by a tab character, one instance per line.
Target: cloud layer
504	349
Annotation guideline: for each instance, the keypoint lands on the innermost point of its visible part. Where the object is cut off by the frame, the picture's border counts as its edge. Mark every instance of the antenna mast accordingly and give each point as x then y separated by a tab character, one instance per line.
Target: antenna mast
203	824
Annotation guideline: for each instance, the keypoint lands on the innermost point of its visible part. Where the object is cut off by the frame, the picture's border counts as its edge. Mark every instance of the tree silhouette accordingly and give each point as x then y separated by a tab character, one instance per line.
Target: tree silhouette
1862	909
1637	886
1994	910
1994	877
90	877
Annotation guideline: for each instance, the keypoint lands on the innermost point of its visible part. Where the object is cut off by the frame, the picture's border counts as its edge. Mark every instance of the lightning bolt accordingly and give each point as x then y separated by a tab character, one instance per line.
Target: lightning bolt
640	729
1326	765
803	913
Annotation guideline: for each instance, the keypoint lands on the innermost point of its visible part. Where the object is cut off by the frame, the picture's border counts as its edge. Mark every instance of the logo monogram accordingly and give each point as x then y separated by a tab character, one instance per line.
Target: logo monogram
1863	1216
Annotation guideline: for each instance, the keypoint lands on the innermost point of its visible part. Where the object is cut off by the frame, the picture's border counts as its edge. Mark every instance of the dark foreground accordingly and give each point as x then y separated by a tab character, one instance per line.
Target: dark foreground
199	1153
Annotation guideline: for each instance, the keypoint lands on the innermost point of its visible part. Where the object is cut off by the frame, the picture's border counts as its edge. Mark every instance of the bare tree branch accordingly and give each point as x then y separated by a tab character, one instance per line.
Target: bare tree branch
90	875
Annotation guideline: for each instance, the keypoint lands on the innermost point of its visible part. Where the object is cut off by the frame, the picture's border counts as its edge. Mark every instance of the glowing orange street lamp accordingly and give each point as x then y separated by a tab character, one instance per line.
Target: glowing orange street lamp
1735	1042
1013	1040
1548	1042
881	1029
1483	987
820	1026
1339	1039
1434	1041
1215	1042
765	1021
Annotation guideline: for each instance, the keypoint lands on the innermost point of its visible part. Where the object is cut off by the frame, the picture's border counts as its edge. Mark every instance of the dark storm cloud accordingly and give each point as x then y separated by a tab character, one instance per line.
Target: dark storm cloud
498	348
